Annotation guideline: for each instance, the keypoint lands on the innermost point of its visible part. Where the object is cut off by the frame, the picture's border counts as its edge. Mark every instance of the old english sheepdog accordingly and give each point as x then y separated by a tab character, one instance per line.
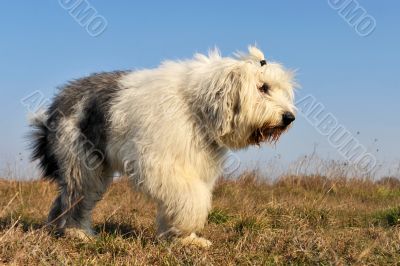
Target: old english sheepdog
169	129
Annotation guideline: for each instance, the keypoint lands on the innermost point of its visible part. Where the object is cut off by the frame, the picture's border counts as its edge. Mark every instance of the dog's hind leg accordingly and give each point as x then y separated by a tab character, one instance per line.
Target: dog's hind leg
84	177
55	217
71	211
84	201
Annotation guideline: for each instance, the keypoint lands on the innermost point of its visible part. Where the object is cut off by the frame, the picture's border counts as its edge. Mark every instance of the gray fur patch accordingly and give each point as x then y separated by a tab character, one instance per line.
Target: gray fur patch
94	94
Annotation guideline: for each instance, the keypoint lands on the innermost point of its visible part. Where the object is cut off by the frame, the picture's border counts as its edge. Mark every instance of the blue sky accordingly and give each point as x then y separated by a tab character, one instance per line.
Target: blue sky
356	78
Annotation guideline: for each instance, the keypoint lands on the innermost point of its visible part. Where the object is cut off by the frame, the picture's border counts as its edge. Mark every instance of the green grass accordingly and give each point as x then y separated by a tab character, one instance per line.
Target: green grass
388	217
218	217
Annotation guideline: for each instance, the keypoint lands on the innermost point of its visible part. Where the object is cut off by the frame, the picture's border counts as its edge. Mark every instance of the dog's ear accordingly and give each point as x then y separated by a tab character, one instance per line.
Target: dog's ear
218	102
228	106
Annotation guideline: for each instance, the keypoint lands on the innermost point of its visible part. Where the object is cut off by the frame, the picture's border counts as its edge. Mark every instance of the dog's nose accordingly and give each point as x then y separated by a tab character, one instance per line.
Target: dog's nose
288	118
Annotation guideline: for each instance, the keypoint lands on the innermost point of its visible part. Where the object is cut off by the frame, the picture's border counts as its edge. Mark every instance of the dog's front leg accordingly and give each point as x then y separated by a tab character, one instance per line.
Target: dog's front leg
183	210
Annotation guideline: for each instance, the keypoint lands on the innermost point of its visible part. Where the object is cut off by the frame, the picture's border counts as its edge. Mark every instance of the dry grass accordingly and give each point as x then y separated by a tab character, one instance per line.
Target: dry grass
296	220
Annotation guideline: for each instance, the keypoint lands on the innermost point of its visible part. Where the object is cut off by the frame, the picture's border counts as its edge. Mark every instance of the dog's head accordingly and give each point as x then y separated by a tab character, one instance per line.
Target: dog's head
249	99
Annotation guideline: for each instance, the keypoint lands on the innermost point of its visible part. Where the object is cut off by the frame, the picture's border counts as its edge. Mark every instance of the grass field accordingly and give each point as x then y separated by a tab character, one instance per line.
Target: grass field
294	220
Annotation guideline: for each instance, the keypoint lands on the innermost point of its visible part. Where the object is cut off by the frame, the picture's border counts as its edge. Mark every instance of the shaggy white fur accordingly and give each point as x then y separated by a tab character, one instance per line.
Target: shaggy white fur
175	124
169	129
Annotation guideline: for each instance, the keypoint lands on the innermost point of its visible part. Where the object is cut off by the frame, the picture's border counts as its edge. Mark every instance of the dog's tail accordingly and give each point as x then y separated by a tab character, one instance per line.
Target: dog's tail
41	145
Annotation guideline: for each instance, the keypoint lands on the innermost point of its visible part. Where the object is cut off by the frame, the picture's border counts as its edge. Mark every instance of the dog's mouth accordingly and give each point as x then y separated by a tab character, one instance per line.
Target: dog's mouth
267	134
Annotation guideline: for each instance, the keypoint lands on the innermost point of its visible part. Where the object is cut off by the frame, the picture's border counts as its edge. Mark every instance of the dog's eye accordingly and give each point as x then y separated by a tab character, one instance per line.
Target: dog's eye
264	88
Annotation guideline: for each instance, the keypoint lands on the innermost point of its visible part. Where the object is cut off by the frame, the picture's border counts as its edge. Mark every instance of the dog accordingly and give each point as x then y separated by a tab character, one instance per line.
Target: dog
168	128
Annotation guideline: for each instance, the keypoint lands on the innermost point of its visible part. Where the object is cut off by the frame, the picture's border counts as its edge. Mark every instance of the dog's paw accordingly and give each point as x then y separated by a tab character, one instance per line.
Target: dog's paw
79	234
194	240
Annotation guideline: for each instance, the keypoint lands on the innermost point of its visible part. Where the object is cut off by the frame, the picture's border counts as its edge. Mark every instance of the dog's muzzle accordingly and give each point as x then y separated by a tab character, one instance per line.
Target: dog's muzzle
269	133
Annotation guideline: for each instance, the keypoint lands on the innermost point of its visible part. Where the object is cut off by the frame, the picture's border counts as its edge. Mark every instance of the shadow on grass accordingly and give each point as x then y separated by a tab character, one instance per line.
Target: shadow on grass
114	229
26	223
122	230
